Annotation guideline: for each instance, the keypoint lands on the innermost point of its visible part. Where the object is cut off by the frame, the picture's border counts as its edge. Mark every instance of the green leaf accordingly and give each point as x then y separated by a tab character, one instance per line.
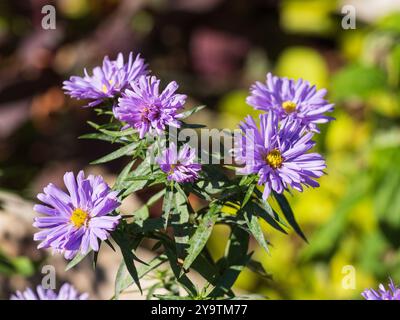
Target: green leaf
248	194
142	170
152	224
123	175
288	214
168	205
235	259
78	258
126	150
127	246
182	193
192	125
152	289
265	211
119	133
258	268
155	198
201	235
254	226
99	136
247	180
176	269
138	178
171	297
250	297
213	183
124	279
180	221
188	113
142	213
206	267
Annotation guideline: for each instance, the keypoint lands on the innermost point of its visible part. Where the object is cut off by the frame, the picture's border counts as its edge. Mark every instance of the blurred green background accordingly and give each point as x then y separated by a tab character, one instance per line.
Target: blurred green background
215	49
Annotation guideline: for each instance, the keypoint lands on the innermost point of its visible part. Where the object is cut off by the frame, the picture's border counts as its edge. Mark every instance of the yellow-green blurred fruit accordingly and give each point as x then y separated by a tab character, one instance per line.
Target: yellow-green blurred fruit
74	8
346	134
247	280
352	44
233	108
218	240
306	210
303	62
385	103
363	216
307	16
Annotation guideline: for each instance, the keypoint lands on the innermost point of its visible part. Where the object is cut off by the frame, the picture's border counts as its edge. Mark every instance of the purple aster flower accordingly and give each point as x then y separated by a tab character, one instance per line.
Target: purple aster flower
75	222
278	154
147	110
180	167
393	293
67	292
290	98
107	81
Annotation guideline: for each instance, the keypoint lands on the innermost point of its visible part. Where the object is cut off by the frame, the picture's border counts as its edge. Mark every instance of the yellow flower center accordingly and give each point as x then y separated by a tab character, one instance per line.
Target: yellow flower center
289	106
145	111
79	217
274	159
104	87
173	166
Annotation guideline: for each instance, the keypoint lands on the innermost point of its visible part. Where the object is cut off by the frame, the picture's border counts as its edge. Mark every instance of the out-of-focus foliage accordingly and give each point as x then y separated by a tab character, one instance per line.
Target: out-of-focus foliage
354	217
19	265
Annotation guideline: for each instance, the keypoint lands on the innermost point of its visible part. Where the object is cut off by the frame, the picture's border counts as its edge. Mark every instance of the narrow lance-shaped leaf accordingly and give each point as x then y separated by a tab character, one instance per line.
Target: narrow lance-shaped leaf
124	279
258	268
188	113
201	236
235	259
168	204
118	133
78	258
126	150
123	175
176	269
254	225
268	209
155	198
99	136
206	267
265	211
180	221
248	194
288	213
171	297
142	170
129	257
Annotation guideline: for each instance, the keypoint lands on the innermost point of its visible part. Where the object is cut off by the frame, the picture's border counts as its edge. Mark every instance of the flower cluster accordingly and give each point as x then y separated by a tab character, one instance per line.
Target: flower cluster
180	167
67	292
278	150
288	98
75	222
393	293
144	108
133	94
107	81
